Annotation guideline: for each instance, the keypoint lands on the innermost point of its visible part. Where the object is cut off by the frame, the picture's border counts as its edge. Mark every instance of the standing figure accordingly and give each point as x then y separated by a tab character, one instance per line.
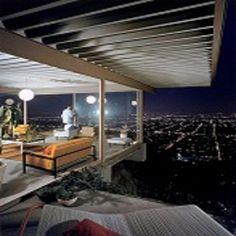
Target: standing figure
17	114
68	117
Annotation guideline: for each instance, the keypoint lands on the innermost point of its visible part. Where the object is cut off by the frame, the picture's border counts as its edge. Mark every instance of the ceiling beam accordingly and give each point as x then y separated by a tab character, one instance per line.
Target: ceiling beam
154	42
28	49
146	49
177	73
198	65
219	20
69	12
147	41
155	12
181	64
122	34
196	53
112	27
146	34
12	8
206	47
163	62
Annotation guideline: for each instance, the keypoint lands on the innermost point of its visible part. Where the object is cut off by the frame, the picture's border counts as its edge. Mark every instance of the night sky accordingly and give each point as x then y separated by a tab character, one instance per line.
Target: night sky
49	104
220	97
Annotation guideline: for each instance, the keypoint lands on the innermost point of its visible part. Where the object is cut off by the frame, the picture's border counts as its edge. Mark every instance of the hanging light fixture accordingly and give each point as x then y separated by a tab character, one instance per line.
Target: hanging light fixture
26	94
91	99
134	103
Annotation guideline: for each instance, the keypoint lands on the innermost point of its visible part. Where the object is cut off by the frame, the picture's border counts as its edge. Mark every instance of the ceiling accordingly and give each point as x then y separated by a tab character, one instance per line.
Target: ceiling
18	73
162	43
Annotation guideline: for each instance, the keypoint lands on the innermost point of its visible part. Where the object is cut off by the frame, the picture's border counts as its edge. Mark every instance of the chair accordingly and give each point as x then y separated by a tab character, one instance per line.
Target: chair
20	130
87	131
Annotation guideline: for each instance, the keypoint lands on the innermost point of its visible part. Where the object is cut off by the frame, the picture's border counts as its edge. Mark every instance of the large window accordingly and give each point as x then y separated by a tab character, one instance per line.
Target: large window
87	109
120	118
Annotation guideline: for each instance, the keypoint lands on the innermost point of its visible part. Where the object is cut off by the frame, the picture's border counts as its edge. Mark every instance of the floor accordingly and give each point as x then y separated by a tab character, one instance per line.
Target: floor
16	184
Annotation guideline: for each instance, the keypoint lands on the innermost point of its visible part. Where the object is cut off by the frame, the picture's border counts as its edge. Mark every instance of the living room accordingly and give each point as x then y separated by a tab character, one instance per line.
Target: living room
40	126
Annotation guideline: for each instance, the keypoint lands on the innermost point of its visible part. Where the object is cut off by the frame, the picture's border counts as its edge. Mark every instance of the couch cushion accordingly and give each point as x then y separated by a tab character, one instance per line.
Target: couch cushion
48	149
71	146
70	150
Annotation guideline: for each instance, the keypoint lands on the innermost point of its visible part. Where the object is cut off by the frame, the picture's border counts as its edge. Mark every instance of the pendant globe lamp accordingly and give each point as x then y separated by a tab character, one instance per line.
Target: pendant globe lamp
26	95
91	99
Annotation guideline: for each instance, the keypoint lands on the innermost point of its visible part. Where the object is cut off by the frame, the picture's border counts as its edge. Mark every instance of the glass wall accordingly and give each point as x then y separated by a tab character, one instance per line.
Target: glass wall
44	111
87	109
120	118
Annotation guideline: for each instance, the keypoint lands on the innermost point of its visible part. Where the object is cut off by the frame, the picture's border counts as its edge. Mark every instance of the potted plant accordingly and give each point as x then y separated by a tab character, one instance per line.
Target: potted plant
48	193
66	190
66	197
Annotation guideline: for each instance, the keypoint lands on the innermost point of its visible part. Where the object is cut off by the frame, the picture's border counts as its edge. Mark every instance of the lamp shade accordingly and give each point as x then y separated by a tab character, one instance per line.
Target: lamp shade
26	94
91	99
9	101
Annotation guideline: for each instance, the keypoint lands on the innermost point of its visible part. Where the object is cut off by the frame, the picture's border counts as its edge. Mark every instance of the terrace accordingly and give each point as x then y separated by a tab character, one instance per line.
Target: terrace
106	51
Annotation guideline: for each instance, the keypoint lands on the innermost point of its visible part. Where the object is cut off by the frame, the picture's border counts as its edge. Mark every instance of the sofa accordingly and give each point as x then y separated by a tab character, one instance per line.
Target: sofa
59	156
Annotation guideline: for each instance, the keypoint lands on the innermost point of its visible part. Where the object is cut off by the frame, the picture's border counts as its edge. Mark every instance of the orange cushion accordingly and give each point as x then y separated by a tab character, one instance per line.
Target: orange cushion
90	228
48	149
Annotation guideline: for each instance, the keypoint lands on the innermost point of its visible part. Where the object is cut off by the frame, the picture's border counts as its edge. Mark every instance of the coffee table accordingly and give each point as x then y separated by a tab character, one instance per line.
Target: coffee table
119	141
34	142
23	143
9	142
